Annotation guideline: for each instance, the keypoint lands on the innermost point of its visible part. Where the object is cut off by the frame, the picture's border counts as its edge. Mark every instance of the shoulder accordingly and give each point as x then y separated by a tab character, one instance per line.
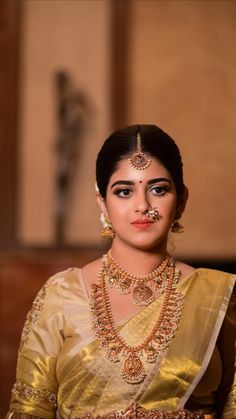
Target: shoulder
216	276
90	272
186	270
204	281
69	284
61	279
64	285
205	273
60	291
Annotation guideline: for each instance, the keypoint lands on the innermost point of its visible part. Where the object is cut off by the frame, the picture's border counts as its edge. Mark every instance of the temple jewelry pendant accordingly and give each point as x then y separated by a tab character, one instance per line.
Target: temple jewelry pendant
142	295
122	285
133	371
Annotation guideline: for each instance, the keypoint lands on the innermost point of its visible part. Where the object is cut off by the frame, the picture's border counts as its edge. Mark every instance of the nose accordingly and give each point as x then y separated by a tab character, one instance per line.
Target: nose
142	203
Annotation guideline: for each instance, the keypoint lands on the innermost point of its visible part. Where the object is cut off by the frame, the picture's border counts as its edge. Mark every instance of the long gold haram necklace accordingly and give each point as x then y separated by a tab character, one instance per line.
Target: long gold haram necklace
141	287
163	332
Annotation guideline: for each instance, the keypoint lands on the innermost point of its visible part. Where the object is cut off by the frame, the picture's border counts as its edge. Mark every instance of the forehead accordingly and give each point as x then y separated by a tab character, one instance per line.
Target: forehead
126	171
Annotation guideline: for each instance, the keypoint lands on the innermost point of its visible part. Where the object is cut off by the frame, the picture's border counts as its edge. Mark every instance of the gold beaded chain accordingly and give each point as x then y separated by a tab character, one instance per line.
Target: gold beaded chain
163	332
142	288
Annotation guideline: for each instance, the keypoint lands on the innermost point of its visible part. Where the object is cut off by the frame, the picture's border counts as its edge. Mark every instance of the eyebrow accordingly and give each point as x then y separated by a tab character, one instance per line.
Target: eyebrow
149	182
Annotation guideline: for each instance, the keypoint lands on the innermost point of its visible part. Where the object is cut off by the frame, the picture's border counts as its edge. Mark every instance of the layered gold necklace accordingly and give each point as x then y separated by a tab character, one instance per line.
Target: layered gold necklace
133	371
142	288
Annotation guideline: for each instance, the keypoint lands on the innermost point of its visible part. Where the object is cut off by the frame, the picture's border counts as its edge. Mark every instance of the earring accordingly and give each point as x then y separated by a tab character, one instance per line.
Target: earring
107	230
177	227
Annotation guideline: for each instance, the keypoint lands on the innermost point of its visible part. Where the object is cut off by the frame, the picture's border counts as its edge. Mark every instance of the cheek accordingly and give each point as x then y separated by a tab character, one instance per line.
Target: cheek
167	207
119	211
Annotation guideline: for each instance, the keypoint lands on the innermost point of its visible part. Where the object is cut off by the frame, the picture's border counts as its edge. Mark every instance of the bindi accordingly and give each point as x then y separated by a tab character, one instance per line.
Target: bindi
140	181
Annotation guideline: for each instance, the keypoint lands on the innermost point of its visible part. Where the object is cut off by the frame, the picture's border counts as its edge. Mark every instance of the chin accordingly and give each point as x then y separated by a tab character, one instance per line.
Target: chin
144	241
147	245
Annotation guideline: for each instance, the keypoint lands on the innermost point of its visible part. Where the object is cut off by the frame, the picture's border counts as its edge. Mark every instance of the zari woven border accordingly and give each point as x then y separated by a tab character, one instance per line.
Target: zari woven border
136	411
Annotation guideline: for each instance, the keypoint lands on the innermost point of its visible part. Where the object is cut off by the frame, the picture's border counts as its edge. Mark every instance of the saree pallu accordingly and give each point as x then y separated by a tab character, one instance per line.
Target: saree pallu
61	366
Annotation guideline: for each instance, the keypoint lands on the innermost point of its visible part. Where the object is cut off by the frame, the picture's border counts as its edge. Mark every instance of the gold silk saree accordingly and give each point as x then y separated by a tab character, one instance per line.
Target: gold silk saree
61	367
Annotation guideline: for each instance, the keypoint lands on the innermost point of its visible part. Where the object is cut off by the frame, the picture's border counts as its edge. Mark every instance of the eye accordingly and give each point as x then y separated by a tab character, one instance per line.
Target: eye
159	190
123	192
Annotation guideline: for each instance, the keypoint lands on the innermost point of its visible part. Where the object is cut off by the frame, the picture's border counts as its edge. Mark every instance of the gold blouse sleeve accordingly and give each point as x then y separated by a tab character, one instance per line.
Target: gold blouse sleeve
34	393
226	397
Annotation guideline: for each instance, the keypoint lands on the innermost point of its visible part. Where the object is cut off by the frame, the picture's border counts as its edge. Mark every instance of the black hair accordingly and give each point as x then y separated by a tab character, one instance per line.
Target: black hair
154	141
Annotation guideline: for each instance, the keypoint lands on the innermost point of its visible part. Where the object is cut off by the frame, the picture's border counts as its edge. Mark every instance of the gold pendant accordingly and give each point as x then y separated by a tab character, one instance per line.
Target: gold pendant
142	295
150	354
133	371
121	285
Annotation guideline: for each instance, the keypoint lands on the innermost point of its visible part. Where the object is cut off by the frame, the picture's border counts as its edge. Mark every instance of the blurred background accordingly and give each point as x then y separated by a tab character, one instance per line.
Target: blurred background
72	71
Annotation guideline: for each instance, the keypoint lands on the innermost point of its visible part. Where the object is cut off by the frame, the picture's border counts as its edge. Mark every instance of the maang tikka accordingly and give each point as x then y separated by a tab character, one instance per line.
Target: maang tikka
139	160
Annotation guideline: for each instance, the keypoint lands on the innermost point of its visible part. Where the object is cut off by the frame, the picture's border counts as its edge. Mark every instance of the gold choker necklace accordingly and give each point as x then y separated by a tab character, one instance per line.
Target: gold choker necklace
155	343
142	288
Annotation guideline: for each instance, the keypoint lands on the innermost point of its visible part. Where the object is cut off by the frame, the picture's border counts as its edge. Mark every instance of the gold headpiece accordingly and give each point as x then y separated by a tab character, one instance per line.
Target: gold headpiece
139	160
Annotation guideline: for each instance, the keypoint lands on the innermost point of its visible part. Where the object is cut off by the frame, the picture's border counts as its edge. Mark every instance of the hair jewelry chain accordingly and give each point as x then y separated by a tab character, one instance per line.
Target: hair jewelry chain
166	325
142	288
139	160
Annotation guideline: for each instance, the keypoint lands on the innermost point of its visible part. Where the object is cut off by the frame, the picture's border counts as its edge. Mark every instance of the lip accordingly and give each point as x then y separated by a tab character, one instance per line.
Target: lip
142	223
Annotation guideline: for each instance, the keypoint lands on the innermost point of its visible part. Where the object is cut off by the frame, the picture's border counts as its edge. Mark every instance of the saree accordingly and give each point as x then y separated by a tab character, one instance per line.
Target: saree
61	367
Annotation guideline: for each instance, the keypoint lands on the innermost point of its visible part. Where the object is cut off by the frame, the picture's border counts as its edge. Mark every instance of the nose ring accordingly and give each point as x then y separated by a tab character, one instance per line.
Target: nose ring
153	213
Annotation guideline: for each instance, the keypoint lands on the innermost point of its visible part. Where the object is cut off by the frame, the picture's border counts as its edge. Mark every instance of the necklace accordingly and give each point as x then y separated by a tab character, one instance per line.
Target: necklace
142	288
133	371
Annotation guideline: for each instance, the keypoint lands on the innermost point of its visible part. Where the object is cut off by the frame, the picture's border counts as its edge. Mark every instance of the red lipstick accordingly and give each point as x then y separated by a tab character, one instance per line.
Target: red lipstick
142	223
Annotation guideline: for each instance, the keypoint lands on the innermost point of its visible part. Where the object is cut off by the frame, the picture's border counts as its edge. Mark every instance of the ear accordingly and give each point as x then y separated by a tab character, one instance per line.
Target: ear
101	203
182	203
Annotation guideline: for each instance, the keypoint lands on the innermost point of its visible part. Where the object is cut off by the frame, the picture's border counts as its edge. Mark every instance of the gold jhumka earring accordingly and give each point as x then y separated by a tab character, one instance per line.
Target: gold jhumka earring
107	230
139	160
177	227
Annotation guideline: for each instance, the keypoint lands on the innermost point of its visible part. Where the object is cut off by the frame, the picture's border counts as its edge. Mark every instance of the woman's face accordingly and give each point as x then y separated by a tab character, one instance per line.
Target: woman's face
130	193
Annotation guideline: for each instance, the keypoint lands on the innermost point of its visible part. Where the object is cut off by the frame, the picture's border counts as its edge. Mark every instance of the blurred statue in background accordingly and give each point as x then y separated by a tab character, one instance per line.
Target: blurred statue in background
73	117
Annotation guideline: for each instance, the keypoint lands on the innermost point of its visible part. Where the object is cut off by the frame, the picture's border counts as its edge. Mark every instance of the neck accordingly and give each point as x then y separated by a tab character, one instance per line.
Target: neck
139	262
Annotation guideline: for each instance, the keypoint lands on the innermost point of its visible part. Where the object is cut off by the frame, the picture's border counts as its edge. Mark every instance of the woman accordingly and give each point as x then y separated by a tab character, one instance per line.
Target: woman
135	334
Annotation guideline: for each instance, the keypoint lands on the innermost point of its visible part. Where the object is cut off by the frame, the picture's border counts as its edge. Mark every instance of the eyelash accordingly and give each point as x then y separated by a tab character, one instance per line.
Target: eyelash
162	189
159	190
120	190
